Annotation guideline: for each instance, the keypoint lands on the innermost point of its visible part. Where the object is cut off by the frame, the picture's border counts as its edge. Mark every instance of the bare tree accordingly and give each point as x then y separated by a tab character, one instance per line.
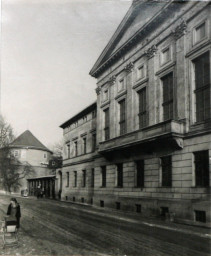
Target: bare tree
11	170
57	148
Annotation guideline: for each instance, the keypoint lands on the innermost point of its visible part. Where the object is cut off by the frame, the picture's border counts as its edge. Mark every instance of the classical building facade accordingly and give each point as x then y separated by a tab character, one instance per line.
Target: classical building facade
153	115
28	150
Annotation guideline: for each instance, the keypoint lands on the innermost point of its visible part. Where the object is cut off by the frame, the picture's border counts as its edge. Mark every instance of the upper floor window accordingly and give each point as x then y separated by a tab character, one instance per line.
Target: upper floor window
140	72
84	145
84	178
167	97
103	172
140	173
121	85
84	118
93	141
200	32
94	114
68	150
122	122
107	124
105	94
166	164
142	108
202	87
166	55
45	155
75	178
120	175
201	161
76	148
16	153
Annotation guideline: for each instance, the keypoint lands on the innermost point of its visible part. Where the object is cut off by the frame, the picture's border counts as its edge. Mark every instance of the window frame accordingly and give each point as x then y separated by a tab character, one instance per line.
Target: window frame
104	174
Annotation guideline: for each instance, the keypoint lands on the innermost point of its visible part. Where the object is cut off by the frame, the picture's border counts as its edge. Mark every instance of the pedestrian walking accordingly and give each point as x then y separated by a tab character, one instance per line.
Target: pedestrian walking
13	213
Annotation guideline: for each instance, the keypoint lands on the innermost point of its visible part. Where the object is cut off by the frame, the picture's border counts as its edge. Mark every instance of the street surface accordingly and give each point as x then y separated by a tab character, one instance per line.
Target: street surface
57	228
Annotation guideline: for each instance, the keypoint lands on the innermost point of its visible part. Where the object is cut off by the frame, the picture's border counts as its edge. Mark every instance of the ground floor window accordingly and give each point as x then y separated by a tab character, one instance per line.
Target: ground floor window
201	161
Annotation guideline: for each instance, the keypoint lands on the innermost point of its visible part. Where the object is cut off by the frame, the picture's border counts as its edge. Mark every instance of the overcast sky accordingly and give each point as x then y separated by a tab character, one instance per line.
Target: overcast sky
48	48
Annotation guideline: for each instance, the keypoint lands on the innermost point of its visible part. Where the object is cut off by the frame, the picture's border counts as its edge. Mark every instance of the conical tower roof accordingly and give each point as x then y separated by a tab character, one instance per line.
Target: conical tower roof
28	140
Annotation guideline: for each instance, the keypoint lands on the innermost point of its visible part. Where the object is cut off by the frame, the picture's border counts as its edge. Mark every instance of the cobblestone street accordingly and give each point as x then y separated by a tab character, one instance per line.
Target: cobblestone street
58	228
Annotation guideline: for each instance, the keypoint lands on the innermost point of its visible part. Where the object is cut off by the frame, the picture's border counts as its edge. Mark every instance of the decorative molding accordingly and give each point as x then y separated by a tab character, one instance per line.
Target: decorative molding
112	80
150	52
129	67
98	90
83	134
180	30
141	83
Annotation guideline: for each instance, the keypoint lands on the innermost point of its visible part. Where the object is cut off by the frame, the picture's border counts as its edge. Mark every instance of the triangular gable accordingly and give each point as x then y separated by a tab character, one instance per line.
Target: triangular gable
27	139
140	13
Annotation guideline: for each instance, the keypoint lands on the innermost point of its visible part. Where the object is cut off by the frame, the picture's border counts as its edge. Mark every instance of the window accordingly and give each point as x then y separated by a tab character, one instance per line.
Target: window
105	95
68	151
140	72
200	32
16	153
121	85
120	175
76	148
166	171
138	207
165	55
93	178
103	171
167	97
118	205
122	122
200	216
101	203
84	119
107	123
201	160
75	179
45	155
84	145
142	108
140	173
68	177
94	114
84	178
93	141
202	87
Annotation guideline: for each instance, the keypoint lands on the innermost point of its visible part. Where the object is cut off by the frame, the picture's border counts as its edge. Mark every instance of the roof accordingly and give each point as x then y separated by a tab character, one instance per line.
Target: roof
42	177
28	140
80	114
138	21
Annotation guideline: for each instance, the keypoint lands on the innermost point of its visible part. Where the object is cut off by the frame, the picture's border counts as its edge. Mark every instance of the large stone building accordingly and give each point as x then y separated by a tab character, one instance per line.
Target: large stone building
153	116
28	150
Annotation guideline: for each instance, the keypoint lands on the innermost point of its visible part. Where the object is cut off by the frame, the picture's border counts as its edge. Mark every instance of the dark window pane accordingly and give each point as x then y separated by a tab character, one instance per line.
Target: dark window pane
167	96
140	173
166	171
202	168
202	87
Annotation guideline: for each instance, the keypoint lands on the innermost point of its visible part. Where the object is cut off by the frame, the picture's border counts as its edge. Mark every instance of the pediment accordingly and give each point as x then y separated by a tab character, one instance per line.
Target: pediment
139	14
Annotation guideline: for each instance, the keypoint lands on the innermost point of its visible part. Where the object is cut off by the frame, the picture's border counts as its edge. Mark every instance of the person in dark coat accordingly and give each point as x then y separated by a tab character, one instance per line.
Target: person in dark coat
13	213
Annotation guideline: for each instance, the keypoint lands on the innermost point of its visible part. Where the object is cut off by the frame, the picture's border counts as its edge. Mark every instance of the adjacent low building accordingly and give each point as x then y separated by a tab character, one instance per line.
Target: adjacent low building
153	125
